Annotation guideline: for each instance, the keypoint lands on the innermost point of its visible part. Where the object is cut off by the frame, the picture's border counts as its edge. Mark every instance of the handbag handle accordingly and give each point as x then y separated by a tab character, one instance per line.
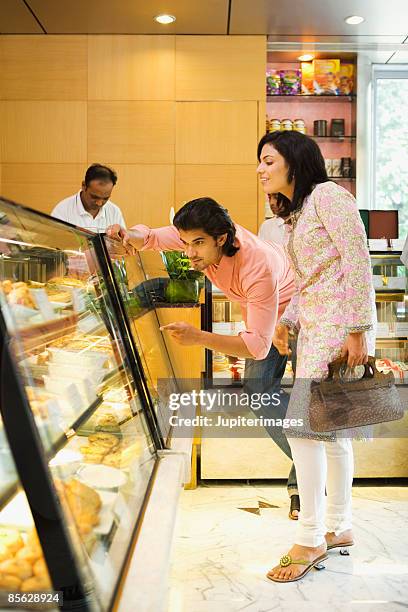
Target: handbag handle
370	369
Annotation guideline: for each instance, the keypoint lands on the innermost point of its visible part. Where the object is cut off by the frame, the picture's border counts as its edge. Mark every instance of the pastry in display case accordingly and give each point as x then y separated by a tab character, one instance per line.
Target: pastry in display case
79	434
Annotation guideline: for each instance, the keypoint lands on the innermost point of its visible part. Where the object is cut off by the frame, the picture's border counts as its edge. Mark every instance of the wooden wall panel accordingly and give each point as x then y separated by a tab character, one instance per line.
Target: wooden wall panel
131	67
220	67
234	187
145	193
132	132
41	186
261	131
43	132
216	132
44	68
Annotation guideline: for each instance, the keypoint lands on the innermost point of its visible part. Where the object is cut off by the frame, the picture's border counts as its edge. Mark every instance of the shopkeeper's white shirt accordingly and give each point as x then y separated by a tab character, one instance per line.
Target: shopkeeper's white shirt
273	230
72	210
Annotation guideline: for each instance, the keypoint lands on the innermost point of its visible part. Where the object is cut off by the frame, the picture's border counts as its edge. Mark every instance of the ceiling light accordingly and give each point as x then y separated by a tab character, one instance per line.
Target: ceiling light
306	58
354	20
165	19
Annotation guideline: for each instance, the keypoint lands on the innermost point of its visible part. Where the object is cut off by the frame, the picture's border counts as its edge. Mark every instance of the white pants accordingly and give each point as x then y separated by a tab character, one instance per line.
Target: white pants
321	465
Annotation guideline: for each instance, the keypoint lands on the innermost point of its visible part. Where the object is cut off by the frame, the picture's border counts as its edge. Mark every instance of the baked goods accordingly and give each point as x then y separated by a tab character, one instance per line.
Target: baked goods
9	582
103	440
83	502
21	295
11	539
7	286
66	281
36	583
113	459
40	569
16	567
4	552
107	421
29	553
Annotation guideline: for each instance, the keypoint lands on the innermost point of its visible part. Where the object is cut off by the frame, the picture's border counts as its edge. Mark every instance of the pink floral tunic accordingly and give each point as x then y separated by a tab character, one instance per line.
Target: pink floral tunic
334	291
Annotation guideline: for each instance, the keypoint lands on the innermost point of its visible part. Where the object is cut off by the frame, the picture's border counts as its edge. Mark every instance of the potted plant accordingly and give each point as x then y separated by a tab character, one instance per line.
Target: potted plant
183	285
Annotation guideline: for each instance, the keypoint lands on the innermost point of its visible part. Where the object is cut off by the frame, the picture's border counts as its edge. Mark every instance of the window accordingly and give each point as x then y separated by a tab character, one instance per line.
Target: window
390	139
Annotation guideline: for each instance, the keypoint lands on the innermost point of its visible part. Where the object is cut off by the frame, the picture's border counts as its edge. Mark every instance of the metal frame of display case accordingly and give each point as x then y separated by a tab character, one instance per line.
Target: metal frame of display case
31	465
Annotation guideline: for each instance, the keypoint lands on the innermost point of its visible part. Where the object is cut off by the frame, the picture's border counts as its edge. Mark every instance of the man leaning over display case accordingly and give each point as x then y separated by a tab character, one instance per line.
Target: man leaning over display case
254	273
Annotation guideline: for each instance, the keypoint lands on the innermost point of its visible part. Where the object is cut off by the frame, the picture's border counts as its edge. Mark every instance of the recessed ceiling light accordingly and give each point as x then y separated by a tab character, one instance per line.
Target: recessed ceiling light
354	20
306	58
165	19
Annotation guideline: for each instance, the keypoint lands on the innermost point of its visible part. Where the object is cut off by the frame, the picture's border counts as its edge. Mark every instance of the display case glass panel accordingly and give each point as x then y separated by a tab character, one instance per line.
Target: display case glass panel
80	388
23	569
390	278
141	280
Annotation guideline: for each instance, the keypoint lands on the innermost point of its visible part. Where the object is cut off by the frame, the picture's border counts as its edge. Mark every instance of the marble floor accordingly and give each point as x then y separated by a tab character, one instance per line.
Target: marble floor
221	554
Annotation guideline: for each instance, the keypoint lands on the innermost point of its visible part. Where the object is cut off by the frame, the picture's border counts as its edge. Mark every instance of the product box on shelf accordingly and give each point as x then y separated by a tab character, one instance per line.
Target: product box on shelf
326	74
307	78
346	79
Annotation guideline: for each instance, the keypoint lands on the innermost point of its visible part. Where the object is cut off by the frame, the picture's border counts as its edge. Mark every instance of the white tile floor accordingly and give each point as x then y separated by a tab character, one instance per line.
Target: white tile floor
221	554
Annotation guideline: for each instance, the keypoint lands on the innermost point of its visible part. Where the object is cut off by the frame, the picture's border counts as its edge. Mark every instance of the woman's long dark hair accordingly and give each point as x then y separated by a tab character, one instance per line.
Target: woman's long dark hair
305	166
206	214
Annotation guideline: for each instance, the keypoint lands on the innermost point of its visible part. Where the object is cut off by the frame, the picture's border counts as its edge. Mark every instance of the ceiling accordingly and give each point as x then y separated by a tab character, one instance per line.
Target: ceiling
287	20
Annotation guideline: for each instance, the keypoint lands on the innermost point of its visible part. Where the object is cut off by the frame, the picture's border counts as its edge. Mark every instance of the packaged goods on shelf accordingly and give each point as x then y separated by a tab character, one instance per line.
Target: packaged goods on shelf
273	82
326	74
290	82
307	71
346	79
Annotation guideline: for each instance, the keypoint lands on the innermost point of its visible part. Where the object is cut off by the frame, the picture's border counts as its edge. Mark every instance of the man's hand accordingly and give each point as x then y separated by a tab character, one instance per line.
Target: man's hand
131	240
355	349
281	339
183	333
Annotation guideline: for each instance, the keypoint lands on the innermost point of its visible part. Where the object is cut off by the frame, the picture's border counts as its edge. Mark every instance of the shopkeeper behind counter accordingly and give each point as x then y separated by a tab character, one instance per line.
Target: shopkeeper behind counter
254	273
91	207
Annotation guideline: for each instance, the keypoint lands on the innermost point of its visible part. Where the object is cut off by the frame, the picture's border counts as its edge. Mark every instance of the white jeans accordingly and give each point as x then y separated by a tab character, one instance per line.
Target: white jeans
321	465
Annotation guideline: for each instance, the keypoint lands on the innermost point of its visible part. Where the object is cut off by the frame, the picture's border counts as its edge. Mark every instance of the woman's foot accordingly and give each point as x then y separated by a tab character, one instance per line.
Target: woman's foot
294	507
344	538
306	553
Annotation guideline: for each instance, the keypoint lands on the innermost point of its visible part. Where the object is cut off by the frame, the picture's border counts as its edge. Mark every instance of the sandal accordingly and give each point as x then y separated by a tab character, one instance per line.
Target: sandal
343	547
294	505
287	560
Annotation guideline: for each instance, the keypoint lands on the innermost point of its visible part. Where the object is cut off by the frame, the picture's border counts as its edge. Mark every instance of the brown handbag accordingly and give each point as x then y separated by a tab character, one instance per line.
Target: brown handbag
344	404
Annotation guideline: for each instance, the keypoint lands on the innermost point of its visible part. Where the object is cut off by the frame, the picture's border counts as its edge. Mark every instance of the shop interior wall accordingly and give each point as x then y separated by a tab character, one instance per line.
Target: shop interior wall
177	117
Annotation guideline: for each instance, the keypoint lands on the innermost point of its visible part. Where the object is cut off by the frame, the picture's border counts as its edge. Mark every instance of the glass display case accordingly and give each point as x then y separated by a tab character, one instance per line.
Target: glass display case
390	283
79	430
140	295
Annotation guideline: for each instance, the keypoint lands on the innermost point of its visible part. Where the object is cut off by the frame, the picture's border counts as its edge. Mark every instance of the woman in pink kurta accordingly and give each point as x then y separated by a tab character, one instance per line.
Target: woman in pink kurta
333	309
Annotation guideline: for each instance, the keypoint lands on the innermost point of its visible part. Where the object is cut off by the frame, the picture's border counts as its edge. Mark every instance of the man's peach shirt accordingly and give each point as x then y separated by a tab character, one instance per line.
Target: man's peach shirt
259	277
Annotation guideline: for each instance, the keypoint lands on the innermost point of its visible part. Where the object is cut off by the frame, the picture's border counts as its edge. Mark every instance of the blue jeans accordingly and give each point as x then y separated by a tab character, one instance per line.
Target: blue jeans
265	376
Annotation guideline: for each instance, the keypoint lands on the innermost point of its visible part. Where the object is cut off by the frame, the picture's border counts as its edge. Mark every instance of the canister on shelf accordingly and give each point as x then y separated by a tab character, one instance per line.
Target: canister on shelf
337	128
286	124
299	125
274	125
320	127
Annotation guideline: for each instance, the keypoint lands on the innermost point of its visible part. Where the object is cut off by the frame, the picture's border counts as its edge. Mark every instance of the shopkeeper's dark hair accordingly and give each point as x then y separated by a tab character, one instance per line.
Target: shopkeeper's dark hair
103	173
213	219
305	166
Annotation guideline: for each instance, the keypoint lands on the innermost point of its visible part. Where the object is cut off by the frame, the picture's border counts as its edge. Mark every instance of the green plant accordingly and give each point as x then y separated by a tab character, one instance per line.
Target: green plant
178	266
